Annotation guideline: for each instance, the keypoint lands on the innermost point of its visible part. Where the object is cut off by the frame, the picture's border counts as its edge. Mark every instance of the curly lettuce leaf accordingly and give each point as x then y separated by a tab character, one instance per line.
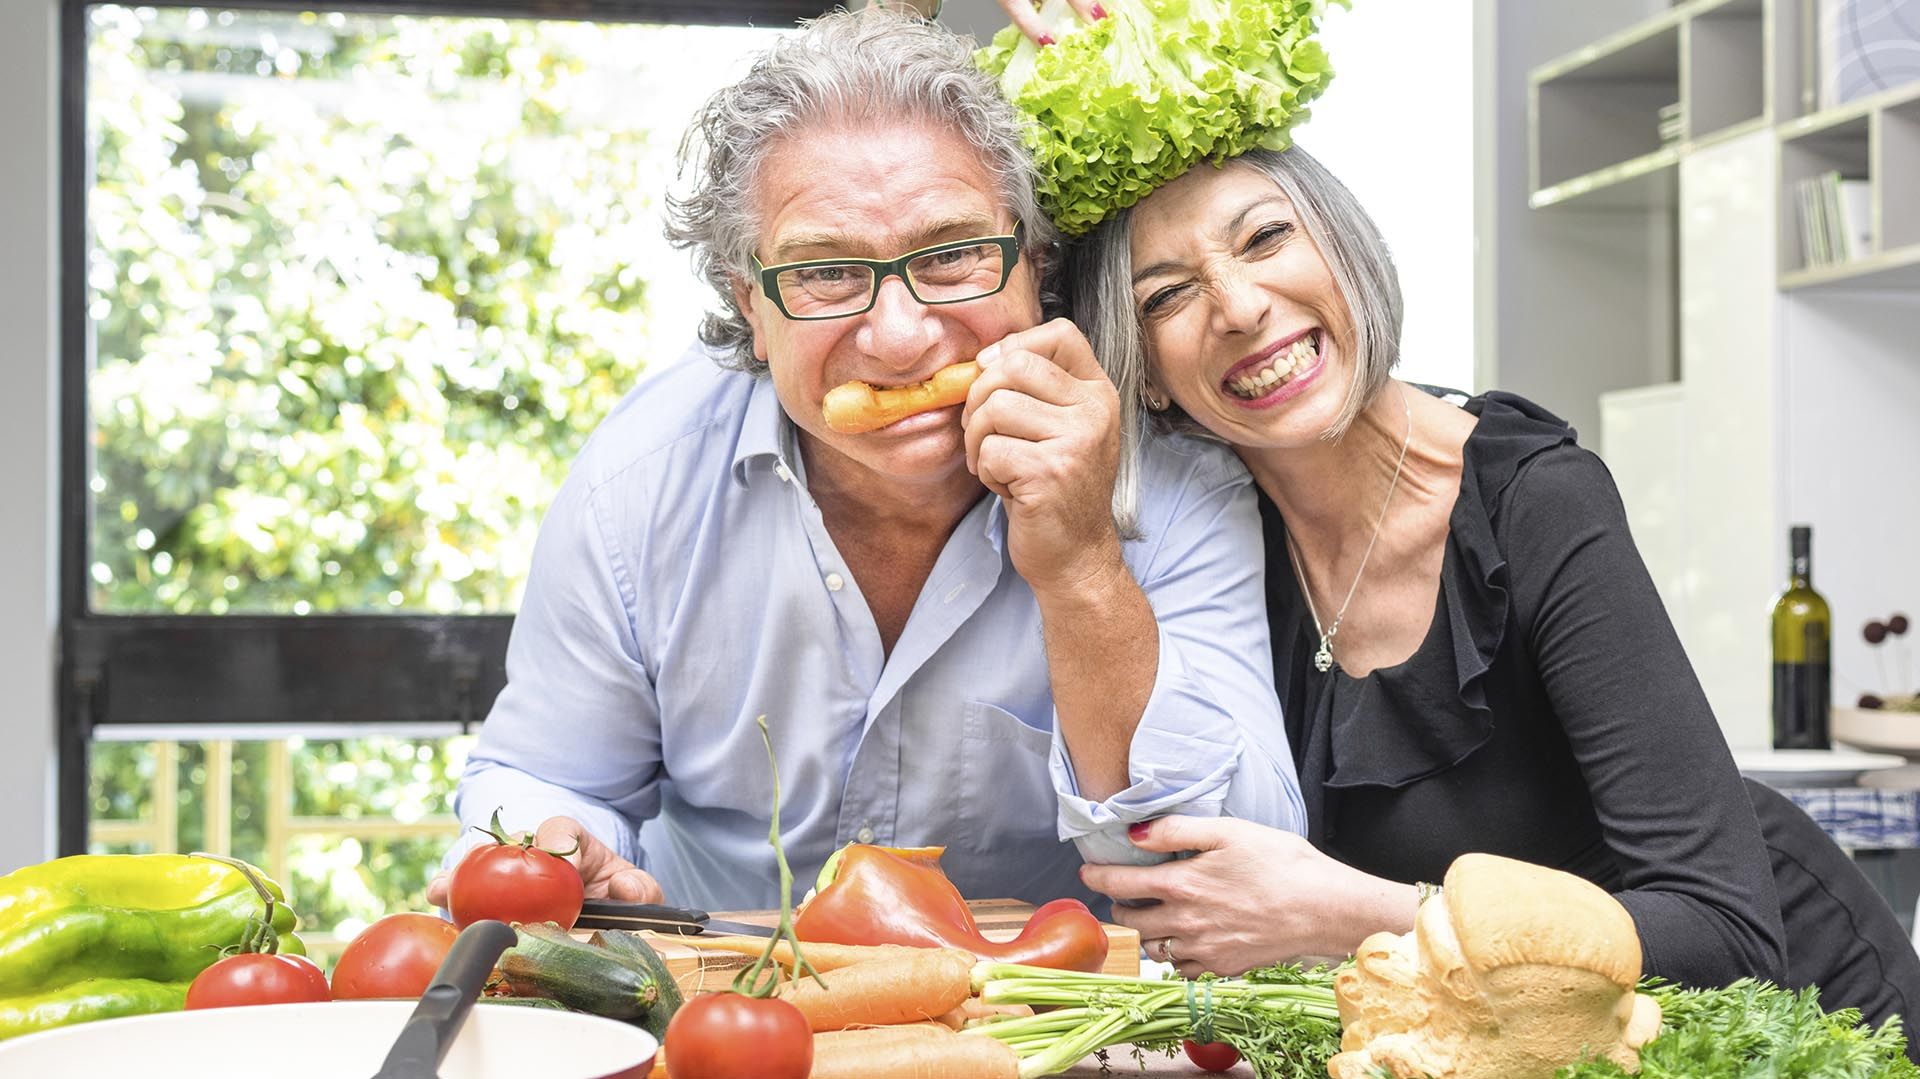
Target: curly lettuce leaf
1122	105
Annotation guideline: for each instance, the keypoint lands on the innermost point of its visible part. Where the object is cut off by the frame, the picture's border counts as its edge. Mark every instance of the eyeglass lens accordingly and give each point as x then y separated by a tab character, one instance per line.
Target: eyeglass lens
945	276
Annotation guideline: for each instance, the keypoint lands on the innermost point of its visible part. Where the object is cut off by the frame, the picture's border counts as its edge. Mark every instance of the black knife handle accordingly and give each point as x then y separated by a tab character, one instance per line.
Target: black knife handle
614	914
449	997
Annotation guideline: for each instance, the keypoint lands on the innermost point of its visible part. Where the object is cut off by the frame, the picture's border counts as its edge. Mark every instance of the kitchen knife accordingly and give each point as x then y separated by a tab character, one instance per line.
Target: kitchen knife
613	914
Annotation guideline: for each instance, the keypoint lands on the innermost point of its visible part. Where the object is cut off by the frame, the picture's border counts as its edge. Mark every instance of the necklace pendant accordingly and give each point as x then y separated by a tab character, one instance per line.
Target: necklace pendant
1323	659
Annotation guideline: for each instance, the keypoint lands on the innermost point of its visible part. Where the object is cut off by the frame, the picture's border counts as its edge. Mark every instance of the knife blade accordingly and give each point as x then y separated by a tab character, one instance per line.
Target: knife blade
686	921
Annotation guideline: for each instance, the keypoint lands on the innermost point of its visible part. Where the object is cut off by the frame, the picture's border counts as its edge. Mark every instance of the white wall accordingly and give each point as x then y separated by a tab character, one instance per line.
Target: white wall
1397	127
28	288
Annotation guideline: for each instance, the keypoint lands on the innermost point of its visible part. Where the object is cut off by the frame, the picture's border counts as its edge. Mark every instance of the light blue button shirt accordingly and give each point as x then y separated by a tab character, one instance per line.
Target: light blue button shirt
684	583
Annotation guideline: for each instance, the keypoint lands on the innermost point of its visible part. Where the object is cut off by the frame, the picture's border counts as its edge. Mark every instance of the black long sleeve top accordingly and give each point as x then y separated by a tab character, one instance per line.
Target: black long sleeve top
1550	715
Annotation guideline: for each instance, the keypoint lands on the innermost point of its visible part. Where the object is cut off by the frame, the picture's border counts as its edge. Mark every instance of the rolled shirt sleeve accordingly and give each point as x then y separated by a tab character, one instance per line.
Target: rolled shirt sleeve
1210	741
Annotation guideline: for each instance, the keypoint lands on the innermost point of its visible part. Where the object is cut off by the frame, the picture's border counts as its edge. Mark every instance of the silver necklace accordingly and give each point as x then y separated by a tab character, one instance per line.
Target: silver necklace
1323	656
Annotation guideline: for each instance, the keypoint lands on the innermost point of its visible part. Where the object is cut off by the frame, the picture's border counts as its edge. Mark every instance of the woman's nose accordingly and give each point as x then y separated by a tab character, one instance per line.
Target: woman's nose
1239	306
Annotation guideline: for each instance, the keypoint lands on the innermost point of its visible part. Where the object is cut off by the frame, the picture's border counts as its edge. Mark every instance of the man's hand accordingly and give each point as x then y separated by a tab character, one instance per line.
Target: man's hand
1043	432
605	874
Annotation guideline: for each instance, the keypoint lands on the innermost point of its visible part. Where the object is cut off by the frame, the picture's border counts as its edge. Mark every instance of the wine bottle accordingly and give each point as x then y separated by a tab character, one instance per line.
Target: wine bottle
1802	639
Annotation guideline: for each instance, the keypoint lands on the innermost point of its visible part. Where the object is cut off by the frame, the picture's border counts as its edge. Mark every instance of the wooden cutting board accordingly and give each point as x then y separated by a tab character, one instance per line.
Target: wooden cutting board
999	919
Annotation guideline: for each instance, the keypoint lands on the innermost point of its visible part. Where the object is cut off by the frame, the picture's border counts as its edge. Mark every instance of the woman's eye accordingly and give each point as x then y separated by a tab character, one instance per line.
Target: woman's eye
1158	301
1268	235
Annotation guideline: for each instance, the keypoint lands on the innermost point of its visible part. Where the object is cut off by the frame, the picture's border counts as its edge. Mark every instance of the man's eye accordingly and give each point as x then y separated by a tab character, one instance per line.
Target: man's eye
1266	236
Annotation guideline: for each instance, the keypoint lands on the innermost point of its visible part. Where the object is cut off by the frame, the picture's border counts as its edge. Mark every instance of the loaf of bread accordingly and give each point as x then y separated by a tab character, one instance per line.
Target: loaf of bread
1514	971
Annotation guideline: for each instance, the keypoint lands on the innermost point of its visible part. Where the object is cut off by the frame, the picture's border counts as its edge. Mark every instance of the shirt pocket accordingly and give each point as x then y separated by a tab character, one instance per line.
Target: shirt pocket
1007	792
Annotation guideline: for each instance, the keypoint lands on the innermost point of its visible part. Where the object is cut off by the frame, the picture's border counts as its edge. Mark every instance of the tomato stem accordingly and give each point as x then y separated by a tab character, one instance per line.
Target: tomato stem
502	837
763	977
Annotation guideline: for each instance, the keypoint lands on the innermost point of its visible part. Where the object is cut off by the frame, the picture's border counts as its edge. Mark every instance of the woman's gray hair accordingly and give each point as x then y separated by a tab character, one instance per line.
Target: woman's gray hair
875	66
1097	276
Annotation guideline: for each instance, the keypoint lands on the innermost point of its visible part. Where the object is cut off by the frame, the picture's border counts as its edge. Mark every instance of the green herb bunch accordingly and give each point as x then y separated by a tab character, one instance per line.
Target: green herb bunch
1754	1030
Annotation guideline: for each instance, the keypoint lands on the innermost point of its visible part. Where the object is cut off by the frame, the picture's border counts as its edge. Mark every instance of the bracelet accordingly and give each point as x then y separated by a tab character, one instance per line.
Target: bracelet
1425	890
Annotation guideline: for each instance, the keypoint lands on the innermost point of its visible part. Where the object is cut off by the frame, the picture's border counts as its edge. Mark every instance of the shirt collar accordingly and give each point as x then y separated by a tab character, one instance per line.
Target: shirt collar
765	433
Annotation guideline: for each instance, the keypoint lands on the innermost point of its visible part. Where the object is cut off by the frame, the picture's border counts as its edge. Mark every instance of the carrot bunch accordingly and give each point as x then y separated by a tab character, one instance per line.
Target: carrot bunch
888	1011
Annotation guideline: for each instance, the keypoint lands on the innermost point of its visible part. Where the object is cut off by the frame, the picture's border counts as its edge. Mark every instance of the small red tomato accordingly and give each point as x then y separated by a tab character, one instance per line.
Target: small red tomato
1212	1056
730	1036
394	957
253	978
513	881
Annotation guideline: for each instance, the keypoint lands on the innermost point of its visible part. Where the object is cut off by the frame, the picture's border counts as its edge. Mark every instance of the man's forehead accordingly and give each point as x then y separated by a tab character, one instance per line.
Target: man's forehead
875	193
874	239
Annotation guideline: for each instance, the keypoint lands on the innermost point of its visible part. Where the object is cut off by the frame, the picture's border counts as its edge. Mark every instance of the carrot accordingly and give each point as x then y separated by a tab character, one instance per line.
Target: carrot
910	1053
920	986
971	1008
820	956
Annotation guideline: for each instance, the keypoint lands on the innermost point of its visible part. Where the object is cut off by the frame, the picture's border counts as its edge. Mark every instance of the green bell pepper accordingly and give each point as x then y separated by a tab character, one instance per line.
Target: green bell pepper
80	1002
160	917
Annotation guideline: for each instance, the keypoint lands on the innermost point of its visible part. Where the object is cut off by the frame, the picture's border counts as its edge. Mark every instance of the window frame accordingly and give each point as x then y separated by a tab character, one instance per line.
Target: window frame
227	673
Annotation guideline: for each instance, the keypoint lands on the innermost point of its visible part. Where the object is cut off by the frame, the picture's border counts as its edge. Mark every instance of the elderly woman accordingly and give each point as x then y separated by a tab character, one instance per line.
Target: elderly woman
1469	652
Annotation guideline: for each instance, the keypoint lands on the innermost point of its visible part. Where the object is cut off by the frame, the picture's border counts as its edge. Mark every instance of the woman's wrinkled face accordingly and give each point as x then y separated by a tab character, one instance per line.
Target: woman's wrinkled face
1245	327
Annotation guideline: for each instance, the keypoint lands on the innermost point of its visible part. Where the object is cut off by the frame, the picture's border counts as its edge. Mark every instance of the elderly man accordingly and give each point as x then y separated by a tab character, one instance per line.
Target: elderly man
951	638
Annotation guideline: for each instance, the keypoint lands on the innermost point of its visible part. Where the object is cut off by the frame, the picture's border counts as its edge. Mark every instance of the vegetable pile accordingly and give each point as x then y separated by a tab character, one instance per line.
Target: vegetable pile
1126	103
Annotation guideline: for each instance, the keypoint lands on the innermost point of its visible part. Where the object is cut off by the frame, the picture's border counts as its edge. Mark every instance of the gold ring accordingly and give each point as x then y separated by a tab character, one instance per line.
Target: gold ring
1166	950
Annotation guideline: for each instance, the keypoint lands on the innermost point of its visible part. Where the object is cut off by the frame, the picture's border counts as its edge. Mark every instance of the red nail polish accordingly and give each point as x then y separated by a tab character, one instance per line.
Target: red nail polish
1046	40
1138	830
1099	12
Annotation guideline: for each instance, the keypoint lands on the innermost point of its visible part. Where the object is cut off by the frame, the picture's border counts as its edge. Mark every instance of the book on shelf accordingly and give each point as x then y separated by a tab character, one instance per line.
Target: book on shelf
1836	219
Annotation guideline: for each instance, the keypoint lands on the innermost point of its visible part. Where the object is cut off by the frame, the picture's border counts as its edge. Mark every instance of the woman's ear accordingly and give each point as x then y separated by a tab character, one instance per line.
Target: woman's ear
1155	399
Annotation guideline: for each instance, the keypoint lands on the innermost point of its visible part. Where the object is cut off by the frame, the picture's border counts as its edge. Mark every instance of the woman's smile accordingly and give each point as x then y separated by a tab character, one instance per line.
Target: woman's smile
1278	373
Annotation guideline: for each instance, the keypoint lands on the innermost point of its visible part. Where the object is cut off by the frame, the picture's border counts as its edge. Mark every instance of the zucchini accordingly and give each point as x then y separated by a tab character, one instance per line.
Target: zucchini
550	963
634	947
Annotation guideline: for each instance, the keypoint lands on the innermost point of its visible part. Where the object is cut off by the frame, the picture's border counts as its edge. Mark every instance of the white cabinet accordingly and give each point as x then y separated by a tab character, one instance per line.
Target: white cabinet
1785	394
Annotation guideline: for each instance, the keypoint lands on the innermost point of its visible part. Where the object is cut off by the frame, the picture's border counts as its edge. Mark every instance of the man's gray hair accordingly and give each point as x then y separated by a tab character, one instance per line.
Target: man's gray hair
1097	277
871	67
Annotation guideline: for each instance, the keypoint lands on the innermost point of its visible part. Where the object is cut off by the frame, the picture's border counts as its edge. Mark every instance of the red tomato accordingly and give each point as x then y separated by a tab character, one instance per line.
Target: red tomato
252	978
1212	1056
394	957
729	1036
512	883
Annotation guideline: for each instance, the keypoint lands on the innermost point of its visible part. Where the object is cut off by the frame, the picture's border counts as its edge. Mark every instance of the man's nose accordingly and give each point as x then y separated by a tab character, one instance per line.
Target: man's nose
899	329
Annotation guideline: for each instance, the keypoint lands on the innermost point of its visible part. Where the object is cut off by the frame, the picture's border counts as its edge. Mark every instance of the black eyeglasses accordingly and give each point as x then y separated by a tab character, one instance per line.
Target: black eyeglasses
953	272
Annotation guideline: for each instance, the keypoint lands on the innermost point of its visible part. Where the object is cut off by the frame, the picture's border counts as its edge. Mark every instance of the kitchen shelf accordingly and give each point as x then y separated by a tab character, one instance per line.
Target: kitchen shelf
1895	270
1876	139
1595	113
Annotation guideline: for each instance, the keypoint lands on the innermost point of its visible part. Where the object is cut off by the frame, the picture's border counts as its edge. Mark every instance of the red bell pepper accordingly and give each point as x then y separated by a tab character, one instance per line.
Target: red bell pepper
879	895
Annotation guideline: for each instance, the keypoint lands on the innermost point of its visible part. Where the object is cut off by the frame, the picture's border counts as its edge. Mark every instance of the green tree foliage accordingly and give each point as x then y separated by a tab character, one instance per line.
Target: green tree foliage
360	287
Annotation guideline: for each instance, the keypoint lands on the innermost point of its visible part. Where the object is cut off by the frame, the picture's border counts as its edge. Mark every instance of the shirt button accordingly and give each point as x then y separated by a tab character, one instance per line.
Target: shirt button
864	835
835	583
782	471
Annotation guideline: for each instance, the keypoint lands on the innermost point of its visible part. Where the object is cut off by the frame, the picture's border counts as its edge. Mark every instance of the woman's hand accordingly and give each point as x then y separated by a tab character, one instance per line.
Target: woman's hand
1027	17
1252	896
603	873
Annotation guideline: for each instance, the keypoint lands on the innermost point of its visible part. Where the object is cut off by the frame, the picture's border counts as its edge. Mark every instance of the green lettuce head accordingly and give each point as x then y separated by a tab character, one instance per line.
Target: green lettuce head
1122	105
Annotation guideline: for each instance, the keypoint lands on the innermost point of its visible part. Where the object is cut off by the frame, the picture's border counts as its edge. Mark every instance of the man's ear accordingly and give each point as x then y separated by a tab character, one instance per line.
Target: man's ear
743	299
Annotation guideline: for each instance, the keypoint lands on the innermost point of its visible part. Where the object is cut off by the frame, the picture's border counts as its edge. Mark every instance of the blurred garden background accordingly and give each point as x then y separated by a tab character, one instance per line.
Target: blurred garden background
360	286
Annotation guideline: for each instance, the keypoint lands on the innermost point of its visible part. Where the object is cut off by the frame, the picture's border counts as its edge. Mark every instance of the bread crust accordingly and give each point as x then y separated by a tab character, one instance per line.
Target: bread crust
854	408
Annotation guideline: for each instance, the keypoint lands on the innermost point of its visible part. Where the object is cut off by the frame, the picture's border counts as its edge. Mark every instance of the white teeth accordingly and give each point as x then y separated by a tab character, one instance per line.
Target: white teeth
1298	357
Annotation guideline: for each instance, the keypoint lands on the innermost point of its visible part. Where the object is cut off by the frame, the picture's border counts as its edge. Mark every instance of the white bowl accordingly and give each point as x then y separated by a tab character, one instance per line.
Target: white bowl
1879	729
340	1040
